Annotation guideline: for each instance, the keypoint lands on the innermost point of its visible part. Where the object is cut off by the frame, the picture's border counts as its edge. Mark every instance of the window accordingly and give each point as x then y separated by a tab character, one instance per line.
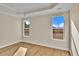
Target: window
57	27
26	27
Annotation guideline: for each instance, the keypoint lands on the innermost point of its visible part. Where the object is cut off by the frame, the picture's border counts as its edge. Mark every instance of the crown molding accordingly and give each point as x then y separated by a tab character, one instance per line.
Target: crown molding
8	7
61	7
64	8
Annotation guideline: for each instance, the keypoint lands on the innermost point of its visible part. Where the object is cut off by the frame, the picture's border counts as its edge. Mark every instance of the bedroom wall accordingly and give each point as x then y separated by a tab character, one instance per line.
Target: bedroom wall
74	12
74	16
10	30
40	32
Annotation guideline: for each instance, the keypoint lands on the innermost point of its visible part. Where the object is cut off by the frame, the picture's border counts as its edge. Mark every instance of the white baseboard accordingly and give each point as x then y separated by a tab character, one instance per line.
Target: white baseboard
71	53
47	45
10	43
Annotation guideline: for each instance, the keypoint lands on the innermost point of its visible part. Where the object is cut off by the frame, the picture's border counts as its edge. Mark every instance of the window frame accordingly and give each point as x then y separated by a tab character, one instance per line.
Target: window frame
26	28
63	30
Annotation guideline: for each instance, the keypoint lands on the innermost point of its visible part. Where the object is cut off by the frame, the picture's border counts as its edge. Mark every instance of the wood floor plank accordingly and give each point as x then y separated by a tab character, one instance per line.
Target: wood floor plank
32	50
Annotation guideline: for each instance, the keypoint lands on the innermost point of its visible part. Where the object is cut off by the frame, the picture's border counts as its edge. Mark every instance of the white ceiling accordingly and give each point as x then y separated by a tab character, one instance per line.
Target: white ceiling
29	7
33	9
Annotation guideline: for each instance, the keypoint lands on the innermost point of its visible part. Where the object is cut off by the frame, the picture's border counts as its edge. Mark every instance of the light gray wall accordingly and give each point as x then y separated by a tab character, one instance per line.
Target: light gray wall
41	32
10	30
74	15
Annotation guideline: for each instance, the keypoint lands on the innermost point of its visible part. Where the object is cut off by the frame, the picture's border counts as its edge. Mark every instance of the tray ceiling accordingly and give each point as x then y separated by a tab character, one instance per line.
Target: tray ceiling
31	9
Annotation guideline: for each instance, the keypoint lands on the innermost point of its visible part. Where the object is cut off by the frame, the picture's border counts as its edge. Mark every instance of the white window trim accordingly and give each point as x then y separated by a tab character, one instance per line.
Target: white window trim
25	28
63	32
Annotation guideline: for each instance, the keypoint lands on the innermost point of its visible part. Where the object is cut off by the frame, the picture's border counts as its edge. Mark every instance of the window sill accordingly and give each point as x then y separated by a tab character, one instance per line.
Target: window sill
26	36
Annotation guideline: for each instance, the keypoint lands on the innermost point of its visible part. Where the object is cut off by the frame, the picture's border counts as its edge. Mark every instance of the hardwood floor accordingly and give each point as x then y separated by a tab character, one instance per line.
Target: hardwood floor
33	50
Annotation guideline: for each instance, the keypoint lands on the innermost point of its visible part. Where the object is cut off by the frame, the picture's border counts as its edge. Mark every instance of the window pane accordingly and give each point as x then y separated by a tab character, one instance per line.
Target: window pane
26	25
26	32
58	27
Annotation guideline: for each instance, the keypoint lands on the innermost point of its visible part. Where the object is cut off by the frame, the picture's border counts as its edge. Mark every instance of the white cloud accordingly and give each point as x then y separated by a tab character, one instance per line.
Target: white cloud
27	22
55	25
58	26
61	25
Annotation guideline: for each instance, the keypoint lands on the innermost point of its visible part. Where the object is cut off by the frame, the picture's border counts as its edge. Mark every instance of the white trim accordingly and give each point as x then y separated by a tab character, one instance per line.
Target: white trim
65	7
26	36
59	40
44	12
26	28
75	35
8	7
71	52
63	32
51	32
10	43
50	46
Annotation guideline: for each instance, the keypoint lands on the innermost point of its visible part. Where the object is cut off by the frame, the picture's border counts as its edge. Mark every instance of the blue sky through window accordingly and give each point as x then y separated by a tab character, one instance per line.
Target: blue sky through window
58	22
